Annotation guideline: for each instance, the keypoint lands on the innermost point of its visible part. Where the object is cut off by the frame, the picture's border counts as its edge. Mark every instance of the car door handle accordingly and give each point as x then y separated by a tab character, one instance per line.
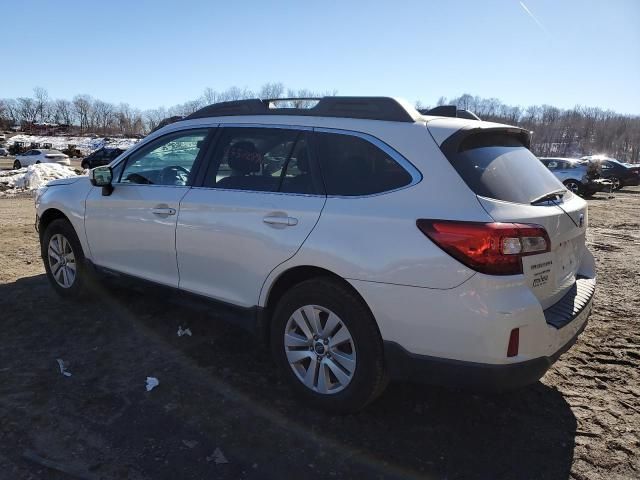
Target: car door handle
163	211
277	220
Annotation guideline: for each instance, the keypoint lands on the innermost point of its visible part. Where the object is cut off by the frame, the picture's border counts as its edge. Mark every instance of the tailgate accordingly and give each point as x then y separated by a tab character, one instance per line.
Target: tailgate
549	275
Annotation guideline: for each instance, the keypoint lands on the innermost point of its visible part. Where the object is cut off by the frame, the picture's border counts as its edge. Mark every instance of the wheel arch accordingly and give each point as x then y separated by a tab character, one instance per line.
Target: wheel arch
49	216
288	279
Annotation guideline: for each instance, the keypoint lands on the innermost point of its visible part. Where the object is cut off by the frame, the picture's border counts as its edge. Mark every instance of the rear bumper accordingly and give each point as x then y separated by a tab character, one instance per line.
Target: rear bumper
403	365
568	317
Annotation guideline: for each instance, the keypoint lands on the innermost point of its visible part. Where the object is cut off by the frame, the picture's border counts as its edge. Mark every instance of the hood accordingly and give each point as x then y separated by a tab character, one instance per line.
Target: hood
65	181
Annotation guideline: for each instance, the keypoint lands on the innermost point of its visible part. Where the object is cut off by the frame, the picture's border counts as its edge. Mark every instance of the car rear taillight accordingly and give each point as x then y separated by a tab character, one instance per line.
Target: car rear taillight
491	248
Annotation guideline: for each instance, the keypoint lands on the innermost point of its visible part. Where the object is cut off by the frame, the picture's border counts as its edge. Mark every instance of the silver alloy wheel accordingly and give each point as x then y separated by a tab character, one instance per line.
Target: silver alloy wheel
62	261
615	183
572	186
320	349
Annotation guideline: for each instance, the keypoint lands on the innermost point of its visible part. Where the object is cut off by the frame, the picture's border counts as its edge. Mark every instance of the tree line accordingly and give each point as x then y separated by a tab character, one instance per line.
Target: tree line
87	114
562	132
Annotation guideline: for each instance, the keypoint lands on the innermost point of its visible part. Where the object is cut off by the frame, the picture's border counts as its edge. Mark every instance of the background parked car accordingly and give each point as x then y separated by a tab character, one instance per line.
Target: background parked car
619	174
31	157
4	152
100	157
575	175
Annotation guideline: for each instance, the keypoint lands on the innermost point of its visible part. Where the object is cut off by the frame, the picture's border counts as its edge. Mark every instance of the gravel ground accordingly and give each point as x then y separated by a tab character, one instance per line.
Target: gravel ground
218	389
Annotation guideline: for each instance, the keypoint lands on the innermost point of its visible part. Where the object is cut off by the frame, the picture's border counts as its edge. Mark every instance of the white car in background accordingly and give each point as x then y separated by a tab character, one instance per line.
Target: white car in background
40	155
359	239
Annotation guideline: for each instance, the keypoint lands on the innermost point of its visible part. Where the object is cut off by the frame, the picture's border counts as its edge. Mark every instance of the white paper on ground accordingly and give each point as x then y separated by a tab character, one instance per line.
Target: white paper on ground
181	332
152	382
63	370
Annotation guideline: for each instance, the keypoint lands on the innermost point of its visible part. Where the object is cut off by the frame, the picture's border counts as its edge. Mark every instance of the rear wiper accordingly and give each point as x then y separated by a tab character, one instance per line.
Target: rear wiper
558	194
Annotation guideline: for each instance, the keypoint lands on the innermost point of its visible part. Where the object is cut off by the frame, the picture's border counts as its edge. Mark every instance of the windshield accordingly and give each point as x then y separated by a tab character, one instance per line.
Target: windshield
504	169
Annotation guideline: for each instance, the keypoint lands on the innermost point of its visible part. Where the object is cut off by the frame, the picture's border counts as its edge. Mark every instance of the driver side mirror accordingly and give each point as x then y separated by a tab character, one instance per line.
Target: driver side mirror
102	177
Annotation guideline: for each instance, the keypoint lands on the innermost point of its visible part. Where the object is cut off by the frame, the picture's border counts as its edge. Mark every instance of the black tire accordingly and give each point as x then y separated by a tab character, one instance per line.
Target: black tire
17	165
85	165
369	377
37	162
79	284
573	186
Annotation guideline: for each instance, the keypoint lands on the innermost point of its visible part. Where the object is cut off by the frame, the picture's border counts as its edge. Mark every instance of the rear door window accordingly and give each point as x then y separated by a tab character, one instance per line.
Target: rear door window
353	166
499	166
263	160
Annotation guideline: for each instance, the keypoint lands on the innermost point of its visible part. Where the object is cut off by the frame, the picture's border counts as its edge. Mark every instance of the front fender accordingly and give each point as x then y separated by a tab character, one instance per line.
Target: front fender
68	198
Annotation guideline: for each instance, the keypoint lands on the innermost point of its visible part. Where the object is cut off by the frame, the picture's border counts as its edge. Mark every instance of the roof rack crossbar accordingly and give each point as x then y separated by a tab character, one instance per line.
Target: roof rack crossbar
370	108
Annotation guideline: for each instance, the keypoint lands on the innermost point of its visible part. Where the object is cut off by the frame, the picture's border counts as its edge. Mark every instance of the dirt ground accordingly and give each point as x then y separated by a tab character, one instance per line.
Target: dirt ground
218	389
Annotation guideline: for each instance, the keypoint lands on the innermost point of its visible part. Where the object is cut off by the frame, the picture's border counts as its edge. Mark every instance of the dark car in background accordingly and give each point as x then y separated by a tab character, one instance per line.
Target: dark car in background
100	157
619	174
577	176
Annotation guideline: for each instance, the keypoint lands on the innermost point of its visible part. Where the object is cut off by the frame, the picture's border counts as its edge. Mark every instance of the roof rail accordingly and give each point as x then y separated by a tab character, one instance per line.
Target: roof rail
450	111
370	108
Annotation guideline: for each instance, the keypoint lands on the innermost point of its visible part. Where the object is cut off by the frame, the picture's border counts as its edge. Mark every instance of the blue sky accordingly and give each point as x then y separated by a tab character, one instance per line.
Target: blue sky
153	53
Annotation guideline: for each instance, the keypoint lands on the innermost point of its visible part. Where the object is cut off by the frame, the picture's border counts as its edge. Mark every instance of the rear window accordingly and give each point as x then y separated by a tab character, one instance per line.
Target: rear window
499	166
353	166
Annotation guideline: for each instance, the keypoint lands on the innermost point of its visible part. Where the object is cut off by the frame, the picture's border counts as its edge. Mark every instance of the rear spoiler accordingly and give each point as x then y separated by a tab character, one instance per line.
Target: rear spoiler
467	138
449	111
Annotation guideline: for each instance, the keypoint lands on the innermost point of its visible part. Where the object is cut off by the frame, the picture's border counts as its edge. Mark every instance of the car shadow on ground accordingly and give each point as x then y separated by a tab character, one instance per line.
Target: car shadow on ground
411	431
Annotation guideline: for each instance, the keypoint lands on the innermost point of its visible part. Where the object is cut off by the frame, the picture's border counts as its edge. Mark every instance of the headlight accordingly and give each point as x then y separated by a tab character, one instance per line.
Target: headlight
39	192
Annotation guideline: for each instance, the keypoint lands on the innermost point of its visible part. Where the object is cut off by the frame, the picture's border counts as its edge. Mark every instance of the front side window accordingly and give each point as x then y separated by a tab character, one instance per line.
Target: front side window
262	160
353	166
166	161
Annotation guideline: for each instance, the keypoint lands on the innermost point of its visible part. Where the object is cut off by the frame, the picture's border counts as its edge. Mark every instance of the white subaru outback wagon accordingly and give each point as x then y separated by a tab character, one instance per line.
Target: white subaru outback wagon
360	239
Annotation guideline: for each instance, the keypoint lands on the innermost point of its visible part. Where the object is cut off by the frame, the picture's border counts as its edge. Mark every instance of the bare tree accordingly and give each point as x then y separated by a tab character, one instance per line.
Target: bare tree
82	105
271	90
153	117
104	115
64	111
27	109
41	98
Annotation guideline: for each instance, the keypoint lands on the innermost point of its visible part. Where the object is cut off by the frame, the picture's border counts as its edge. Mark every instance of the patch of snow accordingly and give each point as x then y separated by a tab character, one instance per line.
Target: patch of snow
33	177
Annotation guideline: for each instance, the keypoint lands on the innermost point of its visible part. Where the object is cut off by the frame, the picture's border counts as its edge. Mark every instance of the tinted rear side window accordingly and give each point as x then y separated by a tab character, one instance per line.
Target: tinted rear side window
498	166
354	166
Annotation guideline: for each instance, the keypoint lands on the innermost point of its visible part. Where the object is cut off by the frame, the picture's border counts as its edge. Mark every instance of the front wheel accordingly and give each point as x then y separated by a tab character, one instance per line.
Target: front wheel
63	259
328	346
85	165
17	165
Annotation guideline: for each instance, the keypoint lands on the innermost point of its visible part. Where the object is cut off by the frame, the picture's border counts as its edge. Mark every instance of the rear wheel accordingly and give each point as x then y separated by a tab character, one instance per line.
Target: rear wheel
17	165
63	259
328	347
573	186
